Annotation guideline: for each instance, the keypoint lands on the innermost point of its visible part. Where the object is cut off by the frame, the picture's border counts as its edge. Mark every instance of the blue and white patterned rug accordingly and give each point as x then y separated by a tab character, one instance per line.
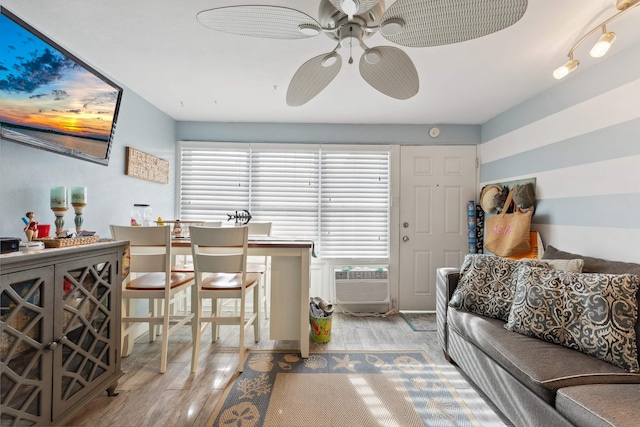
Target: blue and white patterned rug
342	389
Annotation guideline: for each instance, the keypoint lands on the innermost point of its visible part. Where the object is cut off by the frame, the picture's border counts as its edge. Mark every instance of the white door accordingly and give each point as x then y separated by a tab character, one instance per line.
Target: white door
436	184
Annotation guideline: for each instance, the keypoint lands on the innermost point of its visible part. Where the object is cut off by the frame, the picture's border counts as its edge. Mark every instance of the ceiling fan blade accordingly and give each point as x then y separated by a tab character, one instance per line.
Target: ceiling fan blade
362	5
260	21
390	71
312	77
440	22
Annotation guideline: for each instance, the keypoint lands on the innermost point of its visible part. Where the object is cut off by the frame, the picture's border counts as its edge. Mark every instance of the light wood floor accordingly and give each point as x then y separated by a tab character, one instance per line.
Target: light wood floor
179	398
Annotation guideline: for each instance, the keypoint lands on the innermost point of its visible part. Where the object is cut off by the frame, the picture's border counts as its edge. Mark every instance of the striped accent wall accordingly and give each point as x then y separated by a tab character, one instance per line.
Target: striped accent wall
581	141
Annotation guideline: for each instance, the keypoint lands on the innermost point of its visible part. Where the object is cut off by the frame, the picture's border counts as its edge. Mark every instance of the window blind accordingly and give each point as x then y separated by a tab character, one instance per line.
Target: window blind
213	182
354	203
284	189
336	195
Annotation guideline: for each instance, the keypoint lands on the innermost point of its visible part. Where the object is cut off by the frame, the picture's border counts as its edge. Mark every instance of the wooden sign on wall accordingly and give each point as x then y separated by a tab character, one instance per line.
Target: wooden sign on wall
145	166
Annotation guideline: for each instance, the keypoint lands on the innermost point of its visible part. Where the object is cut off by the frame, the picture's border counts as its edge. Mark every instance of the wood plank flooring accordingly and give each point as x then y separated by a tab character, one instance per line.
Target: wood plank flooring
179	398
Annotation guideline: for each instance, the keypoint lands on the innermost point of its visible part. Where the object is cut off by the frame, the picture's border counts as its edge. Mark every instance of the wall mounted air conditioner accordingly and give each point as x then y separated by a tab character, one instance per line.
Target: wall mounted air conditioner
362	285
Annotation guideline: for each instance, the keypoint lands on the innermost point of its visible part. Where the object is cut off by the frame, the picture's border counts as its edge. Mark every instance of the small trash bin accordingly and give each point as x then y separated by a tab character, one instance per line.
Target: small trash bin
320	329
320	313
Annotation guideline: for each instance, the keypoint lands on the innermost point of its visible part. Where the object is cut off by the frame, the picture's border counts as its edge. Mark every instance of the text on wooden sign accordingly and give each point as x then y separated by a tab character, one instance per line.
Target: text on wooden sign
146	166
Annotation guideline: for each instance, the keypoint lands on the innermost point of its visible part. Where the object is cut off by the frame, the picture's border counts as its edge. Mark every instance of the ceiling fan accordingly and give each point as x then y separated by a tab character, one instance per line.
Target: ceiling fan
410	23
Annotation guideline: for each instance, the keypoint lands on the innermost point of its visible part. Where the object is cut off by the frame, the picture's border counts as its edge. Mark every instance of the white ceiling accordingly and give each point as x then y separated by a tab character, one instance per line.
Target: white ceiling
157	49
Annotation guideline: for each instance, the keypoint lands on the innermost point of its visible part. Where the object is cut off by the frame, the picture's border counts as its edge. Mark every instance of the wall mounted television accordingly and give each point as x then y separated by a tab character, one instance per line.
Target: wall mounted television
51	100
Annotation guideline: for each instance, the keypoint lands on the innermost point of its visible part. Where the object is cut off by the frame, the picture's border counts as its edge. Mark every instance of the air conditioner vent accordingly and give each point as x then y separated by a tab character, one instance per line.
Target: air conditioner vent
368	274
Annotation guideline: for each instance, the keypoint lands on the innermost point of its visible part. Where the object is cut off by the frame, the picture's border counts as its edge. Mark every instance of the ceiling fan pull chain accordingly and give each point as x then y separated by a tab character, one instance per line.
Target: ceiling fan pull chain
351	46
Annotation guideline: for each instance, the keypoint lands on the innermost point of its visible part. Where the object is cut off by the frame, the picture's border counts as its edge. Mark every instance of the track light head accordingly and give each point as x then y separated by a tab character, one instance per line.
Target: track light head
565	69
603	44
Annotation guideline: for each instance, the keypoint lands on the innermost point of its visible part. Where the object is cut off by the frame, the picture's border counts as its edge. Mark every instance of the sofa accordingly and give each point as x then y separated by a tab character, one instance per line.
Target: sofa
538	374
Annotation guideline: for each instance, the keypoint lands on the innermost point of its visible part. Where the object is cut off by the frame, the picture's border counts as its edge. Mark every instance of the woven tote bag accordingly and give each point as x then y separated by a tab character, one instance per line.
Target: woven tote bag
508	234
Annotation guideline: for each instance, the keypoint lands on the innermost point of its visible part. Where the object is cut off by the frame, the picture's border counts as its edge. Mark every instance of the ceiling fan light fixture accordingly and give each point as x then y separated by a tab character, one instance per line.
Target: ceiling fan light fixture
329	60
392	27
350	7
565	69
372	56
309	29
603	44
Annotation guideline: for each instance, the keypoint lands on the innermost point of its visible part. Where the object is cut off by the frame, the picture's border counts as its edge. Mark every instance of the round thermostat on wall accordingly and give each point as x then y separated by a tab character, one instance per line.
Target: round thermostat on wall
434	132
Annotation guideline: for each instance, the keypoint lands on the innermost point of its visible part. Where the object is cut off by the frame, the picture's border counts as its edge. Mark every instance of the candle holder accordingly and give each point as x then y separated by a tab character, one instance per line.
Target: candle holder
78	220
78	201
59	222
59	206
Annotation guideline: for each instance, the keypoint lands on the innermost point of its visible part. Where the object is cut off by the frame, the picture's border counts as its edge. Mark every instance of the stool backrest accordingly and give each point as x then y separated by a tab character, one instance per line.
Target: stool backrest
150	247
219	249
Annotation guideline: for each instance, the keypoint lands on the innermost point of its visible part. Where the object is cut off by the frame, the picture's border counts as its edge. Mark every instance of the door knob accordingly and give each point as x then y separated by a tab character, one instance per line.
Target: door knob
405	225
405	239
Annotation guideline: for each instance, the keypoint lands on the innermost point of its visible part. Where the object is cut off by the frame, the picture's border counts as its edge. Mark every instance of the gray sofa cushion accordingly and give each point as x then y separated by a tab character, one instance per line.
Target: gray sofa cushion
542	366
600	405
594	265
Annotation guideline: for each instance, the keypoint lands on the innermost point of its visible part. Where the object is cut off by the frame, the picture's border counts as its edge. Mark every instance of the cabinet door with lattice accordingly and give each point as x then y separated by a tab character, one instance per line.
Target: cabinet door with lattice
85	326
26	346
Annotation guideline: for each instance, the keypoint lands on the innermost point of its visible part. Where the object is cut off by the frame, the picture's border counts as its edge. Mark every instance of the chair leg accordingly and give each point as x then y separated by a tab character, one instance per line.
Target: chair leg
127	338
216	305
160	311
196	309
165	336
256	309
265	297
152	311
242	329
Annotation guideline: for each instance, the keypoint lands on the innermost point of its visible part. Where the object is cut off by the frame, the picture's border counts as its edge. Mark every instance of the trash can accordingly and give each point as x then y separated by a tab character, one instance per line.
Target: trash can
320	329
320	314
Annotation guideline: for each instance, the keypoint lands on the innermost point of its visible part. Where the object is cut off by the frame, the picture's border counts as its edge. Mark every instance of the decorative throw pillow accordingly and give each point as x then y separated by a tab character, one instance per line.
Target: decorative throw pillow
486	286
592	313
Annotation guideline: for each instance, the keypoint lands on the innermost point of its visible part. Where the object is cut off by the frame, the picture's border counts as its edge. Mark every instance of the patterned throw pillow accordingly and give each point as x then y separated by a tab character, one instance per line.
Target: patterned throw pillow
486	286
589	312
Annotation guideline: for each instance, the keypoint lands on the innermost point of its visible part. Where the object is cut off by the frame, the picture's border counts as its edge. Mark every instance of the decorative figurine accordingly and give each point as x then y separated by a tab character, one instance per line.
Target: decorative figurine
177	229
31	229
241	218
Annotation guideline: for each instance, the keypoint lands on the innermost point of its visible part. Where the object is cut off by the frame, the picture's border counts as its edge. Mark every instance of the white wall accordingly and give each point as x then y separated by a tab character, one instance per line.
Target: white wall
28	173
581	141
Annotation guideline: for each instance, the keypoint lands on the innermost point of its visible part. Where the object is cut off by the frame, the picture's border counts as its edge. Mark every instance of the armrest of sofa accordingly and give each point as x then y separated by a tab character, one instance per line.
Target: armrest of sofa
446	283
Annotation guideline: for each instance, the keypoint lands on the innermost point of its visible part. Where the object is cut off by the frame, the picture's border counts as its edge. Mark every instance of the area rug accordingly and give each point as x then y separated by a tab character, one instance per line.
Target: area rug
400	389
420	322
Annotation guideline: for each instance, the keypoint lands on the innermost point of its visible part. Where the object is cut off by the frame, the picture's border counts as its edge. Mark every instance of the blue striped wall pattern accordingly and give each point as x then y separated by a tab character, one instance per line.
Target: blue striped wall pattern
581	141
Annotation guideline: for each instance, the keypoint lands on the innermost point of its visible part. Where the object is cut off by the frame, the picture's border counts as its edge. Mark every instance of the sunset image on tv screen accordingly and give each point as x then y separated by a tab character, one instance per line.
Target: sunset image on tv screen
44	94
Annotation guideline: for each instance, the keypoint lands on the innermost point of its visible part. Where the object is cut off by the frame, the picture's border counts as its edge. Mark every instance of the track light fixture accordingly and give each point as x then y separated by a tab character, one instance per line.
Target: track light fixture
602	45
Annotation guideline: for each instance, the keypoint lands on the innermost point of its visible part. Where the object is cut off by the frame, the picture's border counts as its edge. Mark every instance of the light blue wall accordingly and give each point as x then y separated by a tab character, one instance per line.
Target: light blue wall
28	173
327	133
581	141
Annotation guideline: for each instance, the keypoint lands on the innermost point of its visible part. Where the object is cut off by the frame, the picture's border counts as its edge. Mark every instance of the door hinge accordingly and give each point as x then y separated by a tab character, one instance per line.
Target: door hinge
477	163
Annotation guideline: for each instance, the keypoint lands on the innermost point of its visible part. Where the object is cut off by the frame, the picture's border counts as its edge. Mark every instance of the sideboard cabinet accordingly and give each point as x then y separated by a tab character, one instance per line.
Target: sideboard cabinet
60	325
